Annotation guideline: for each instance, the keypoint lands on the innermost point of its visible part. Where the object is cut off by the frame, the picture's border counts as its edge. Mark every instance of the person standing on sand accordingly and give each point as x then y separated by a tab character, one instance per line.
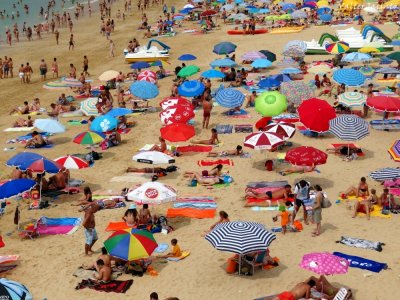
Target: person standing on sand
89	224
112	49
317	210
43	69
71	42
54	68
85	66
207	107
57	35
28	73
21	73
72	71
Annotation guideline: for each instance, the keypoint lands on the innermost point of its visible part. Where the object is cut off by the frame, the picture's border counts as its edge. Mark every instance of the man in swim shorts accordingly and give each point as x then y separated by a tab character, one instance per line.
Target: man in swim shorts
301	290
207	107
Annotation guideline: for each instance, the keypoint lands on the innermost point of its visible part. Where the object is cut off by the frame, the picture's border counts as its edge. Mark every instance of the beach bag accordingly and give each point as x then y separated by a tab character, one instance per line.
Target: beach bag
325	203
170	169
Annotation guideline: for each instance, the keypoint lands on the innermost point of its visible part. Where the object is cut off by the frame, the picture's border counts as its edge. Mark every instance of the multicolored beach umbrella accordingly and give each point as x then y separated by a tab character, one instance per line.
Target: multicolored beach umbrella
351	99
367	70
88	107
337	47
131	244
394	151
89	138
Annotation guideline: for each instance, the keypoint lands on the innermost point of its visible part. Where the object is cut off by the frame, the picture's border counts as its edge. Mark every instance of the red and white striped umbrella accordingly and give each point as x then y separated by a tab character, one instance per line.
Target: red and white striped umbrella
176	114
148	76
72	162
175	101
286	130
263	140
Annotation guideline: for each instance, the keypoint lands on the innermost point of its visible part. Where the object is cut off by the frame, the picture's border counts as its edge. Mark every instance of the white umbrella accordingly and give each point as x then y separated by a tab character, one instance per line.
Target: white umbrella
108	75
370	9
49	125
152	193
153	157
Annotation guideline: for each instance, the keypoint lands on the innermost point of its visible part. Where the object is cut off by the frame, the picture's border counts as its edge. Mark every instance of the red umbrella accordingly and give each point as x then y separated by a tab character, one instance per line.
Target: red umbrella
262	123
315	114
209	12
263	140
147	75
176	114
177	132
384	103
173	101
306	156
286	130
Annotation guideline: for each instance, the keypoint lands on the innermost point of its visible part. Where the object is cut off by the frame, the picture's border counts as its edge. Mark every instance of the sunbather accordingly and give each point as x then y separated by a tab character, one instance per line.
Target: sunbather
360	191
23	123
207	181
322	285
58	181
237	152
176	250
301	290
37	141
147	170
223	218
22	110
104	272
104	256
365	206
212	141
216	171
297	169
281	193
87	199
161	148
344	150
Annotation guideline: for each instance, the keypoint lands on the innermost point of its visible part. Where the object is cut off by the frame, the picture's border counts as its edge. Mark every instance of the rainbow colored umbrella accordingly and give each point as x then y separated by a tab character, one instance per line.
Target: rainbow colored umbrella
89	138
394	151
131	244
337	47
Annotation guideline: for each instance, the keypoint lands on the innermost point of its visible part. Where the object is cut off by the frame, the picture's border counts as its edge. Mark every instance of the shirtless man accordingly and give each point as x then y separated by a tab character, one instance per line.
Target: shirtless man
207	181
72	71
16	174
282	193
58	181
36	141
301	290
90	231
28	73
207	107
23	123
55	110
237	152
251	100
212	141
23	110
104	272
43	69
85	65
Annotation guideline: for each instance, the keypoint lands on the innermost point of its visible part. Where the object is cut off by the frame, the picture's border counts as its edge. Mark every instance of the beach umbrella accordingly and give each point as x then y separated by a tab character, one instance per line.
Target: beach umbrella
306	156
88	107
12	290
177	132
261	63
270	104
227	7
269	55
367	70
108	75
325	17
72	162
299	14
224	62
296	91
368	50
131	244
319	69
118	112
148	76
356	57
159	63
175	101
296	44
230	98
286	130
140	65
293	53
324	263
209	74
323	3
16	187
224	48
385	174
351	99
176	114
186	10
144	90
370	9
394	55
337	47
387	70
349	77
268	83
239	17
395	43
384	103
252	55
209	12
152	193
187	57
153	157
41	165
104	123
188	71
263	140
315	114
191	88
281	77
22	157
349	127
394	151
323	10
89	138
291	71
309	5
288	6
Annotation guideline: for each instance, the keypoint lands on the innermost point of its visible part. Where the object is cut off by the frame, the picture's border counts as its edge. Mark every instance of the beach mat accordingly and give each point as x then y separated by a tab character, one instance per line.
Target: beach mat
191	213
54	226
376	212
18	129
207	163
268	208
224	129
194	148
195	205
147	147
115	286
361	243
362	263
161	248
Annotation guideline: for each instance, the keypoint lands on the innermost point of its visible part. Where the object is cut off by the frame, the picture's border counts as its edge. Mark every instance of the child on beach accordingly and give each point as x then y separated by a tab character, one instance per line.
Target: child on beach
284	215
176	250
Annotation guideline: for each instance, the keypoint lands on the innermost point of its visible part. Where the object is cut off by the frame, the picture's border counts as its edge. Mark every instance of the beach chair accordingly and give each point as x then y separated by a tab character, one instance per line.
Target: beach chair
257	261
343	294
30	232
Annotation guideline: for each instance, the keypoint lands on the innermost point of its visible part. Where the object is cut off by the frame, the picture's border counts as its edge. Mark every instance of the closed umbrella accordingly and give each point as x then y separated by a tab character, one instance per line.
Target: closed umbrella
108	75
188	71
209	74
263	140
176	114
177	132
296	91
286	130
384	103
349	77
12	290
252	55
337	47
191	88
153	157
187	57
306	156
394	151
351	99
152	193
104	123
224	48
230	98
349	127
385	174
144	90
88	107
315	114
175	101
270	104
224	62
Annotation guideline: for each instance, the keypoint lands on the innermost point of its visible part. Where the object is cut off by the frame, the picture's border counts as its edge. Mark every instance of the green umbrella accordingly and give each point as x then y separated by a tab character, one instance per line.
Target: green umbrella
285	17
394	56
188	71
271	104
271	18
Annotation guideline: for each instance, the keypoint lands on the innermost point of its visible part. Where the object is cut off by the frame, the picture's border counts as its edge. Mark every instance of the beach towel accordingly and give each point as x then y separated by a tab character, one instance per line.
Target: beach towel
376	212
197	205
53	193
53	226
75	182
76	122
250	201
88	274
191	213
260	184
235	112
161	248
361	243
116	286
207	163
245	128
224	129
362	263
5	268
194	148
14	129
196	199
115	226
8	258
29	136
47	146
269	208
185	254
219	185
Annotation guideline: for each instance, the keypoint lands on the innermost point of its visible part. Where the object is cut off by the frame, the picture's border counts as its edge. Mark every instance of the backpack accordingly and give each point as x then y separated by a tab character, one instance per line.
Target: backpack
171	169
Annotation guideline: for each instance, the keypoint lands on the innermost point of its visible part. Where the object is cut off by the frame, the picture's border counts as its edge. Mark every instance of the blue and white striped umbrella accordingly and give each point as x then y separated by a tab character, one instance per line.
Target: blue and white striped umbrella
349	127
349	77
191	88
356	56
144	90
230	98
12	290
385	174
240	237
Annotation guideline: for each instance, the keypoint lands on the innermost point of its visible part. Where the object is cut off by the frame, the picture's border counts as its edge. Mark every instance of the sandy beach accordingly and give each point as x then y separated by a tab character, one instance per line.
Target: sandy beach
47	263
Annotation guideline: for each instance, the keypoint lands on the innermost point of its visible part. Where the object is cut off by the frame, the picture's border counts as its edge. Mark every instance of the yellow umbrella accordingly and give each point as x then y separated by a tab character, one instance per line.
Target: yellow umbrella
368	50
392	3
319	69
322	3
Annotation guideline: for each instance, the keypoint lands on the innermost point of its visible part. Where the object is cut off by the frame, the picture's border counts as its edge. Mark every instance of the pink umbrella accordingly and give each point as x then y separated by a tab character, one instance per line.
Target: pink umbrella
324	263
263	140
284	129
148	76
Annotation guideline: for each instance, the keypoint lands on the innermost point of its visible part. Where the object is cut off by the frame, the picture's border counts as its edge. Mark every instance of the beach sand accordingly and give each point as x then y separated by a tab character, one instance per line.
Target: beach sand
47	263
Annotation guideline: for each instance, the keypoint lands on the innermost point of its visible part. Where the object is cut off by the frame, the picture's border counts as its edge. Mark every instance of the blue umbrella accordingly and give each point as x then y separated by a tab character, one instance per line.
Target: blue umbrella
229	98
117	112
291	71
253	10
349	77
299	14
356	56
261	63
251	7
191	88
41	165
308	6
288	6
22	157
13	290
224	62
281	78
144	90
213	74
186	57
16	187
323	10
224	48
49	125
268	83
157	63
264	11
104	123
140	65
186	10
325	17
178	17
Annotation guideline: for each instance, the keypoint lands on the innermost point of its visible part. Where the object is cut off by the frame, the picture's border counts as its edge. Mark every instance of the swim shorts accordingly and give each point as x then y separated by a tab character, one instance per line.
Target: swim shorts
286	296
90	235
299	202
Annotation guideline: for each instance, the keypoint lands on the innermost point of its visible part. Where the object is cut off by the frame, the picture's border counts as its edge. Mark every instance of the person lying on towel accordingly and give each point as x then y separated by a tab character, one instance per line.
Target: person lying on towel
237	152
216	171
207	181
281	193
297	169
37	141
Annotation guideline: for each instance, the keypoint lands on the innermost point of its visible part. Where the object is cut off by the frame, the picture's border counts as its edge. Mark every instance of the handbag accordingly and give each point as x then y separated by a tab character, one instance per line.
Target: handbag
325	202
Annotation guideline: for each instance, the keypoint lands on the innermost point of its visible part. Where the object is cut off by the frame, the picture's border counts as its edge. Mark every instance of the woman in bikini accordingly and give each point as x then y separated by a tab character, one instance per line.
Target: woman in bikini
223	218
215	172
360	191
212	141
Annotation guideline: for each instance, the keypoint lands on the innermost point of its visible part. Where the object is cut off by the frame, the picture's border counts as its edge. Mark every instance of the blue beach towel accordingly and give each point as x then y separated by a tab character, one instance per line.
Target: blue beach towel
29	136
161	248
195	205
60	221
362	263
224	129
